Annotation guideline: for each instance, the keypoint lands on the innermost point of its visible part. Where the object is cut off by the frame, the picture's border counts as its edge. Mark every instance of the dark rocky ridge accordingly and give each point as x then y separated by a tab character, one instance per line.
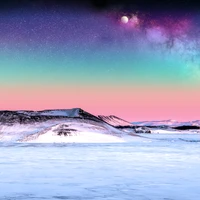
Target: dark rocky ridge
186	127
12	117
29	117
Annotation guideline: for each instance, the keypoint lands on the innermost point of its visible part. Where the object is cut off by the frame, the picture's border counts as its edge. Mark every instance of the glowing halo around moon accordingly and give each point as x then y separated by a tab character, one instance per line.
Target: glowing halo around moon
134	20
124	19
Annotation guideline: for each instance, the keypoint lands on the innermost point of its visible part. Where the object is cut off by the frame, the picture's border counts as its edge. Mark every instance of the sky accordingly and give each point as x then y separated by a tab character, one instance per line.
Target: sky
128	60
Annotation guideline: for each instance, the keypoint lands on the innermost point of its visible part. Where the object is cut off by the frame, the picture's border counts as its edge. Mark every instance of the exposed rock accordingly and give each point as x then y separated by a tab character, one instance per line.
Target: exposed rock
114	121
142	130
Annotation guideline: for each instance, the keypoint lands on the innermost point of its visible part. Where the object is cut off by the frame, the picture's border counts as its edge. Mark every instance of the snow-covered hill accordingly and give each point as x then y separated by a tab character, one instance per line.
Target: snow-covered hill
70	125
77	130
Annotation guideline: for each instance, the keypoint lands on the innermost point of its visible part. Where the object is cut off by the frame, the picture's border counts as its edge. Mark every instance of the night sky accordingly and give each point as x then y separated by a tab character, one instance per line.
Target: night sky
139	60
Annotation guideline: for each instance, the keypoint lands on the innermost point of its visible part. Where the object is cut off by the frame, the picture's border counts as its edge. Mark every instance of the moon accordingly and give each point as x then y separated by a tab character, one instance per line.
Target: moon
124	19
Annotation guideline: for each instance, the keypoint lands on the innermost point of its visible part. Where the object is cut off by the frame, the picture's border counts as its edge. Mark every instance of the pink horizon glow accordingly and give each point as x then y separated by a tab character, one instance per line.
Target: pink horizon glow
131	104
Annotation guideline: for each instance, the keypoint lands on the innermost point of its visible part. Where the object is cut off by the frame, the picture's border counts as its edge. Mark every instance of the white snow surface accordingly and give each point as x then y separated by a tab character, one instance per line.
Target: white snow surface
163	167
79	132
16	132
81	137
173	131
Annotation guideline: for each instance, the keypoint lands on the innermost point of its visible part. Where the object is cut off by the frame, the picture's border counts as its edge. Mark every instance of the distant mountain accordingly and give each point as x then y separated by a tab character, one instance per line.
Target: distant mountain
170	123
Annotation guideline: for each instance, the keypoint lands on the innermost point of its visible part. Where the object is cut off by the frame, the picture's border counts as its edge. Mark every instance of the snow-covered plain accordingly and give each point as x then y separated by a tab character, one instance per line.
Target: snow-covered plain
160	167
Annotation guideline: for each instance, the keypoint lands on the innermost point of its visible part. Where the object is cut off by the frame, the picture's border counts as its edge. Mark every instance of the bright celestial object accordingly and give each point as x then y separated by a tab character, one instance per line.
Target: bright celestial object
124	19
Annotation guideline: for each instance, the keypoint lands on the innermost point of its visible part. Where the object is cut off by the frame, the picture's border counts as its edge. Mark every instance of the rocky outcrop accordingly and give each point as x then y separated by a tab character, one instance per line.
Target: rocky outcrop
114	121
142	130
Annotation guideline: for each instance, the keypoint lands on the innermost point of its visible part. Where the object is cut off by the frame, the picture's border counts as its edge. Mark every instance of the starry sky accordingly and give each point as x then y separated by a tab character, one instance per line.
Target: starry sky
120	59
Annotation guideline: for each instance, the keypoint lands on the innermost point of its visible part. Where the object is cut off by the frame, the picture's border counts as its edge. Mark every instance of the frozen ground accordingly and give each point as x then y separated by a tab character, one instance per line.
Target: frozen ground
164	167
